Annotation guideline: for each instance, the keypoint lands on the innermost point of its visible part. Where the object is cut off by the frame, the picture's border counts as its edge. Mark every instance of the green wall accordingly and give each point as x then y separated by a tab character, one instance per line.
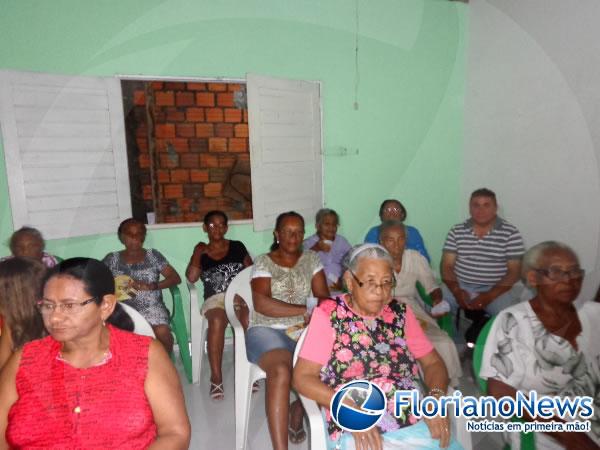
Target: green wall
407	128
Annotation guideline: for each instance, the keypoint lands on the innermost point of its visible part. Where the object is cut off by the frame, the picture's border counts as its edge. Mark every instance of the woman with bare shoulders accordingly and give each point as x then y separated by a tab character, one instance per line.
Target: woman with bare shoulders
217	263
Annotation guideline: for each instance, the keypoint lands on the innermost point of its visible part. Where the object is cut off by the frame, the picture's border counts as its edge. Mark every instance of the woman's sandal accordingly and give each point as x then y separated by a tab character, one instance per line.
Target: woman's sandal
216	391
297	436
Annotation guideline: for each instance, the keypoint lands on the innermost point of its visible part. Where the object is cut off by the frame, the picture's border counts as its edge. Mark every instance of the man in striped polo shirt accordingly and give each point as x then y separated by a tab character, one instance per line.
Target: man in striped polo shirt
481	260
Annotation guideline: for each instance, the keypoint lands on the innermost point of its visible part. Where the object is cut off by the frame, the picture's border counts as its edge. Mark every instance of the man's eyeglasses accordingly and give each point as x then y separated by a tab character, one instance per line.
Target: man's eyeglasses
213	226
370	285
69	308
556	274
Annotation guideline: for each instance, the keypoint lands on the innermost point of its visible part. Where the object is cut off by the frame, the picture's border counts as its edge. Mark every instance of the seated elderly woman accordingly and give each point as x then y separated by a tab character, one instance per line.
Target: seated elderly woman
410	267
87	384
28	242
362	335
545	344
330	246
282	281
20	289
394	210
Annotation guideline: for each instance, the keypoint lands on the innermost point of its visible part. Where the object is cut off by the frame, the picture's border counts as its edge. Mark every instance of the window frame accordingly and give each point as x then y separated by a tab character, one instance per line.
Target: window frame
120	77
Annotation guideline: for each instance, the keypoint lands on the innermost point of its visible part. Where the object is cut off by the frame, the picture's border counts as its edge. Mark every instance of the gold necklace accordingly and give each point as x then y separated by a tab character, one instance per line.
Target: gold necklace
106	355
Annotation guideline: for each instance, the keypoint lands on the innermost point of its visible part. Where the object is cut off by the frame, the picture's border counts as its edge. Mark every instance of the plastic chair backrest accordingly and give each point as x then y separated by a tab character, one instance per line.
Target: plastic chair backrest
245	372
299	346
318	435
240	285
141	325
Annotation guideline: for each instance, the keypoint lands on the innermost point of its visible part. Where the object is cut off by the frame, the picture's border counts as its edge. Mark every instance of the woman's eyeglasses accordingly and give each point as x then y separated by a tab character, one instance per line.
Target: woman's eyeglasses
370	285
556	274
69	308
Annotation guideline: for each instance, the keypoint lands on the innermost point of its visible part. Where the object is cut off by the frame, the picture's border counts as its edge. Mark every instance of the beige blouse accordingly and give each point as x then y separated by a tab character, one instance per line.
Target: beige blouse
288	284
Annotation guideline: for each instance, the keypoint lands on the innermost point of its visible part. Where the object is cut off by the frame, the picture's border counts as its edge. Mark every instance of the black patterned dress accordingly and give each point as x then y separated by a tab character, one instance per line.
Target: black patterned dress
148	303
217	273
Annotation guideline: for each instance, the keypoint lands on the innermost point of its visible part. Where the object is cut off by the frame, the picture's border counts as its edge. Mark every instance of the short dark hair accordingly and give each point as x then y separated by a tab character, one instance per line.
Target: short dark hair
215	212
280	218
484	192
392	200
97	280
130	221
24	231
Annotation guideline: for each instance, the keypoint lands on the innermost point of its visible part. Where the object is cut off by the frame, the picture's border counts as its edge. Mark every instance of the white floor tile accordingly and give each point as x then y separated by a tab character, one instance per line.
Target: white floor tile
213	425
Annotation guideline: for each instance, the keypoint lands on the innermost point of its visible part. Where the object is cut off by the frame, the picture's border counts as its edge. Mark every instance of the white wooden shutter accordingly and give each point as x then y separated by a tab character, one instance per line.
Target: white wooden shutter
284	119
65	151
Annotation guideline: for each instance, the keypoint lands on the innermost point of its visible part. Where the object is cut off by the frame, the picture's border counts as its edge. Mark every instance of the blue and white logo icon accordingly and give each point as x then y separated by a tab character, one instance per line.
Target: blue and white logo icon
370	404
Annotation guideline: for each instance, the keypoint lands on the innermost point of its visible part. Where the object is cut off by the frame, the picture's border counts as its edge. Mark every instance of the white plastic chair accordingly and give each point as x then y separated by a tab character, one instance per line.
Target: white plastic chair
316	423
140	324
246	373
198	330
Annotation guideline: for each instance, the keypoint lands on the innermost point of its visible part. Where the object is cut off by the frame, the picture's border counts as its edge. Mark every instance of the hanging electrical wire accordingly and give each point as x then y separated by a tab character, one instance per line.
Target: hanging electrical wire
356	72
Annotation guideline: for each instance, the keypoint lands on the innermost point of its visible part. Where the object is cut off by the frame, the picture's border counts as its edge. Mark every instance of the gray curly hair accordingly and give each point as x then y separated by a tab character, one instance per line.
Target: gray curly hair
531	258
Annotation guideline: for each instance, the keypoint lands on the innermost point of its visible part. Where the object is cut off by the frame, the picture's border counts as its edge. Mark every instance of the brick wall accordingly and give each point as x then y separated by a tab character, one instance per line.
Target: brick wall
191	150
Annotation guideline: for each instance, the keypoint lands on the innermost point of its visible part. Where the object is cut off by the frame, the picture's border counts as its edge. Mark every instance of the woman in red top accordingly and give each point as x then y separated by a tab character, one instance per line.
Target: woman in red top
89	385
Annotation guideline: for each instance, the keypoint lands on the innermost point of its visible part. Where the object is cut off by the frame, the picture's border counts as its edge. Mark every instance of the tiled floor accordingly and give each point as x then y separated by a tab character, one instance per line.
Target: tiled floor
213	426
